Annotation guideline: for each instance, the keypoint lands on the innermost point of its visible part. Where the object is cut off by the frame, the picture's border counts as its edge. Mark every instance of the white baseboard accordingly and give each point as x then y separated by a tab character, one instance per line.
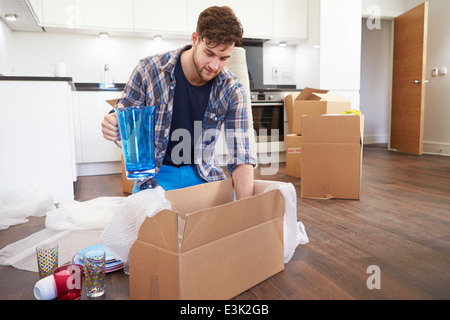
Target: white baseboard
437	148
98	168
376	138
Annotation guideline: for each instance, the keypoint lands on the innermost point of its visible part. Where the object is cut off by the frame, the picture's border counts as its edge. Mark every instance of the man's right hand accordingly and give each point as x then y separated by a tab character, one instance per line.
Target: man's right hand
110	127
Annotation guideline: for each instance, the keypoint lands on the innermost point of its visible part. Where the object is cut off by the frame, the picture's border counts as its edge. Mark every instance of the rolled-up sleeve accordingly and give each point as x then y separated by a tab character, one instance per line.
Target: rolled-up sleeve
237	130
134	91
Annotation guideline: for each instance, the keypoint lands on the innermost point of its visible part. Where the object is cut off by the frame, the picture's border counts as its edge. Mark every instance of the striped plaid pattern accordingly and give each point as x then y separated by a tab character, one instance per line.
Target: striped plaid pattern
152	83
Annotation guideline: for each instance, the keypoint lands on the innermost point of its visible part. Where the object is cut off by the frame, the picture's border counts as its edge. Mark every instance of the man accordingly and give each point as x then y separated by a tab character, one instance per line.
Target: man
192	89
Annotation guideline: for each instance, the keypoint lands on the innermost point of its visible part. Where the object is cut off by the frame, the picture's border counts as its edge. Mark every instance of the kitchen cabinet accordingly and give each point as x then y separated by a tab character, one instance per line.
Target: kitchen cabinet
195	7
36	5
255	15
107	14
88	14
90	108
290	19
261	19
36	135
149	16
58	13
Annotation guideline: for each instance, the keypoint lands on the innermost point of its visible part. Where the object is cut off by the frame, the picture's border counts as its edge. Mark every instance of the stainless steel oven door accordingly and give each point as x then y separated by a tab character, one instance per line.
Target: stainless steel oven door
268	121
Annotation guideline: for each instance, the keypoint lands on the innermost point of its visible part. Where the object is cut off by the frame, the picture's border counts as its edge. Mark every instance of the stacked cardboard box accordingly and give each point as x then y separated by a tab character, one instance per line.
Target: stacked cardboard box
294	155
309	102
332	156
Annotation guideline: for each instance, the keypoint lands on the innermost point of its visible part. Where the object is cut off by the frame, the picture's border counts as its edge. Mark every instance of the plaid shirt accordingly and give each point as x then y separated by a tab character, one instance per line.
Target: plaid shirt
152	83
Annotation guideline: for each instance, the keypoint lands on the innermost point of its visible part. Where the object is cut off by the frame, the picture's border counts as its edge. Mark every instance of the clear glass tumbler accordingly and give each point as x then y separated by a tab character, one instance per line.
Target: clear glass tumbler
94	273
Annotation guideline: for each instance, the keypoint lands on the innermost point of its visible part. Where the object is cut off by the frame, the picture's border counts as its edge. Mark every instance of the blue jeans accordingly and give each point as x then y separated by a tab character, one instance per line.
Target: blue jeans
170	178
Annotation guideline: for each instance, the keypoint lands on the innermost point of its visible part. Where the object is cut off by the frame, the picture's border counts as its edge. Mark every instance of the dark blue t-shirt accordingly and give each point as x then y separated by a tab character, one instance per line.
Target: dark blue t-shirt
189	105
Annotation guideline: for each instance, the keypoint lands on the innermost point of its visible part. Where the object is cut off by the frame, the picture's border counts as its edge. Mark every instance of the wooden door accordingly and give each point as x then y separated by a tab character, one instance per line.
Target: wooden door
408	91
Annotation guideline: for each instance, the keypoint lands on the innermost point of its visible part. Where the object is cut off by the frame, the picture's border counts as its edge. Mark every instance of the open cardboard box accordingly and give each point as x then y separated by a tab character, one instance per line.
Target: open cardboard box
312	102
332	147
208	246
112	102
127	185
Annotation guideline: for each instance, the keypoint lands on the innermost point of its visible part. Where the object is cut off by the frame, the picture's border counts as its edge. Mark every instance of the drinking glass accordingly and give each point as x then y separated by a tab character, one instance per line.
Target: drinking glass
137	133
68	281
47	258
94	272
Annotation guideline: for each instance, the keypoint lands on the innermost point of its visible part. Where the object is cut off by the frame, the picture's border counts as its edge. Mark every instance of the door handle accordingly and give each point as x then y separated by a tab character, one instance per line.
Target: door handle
419	81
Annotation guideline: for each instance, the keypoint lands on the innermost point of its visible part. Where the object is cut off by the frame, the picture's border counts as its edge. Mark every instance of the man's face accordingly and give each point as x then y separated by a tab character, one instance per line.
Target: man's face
209	60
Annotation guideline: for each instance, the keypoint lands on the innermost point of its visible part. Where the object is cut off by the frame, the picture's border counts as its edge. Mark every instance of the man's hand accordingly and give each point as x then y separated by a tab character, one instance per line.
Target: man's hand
110	127
243	180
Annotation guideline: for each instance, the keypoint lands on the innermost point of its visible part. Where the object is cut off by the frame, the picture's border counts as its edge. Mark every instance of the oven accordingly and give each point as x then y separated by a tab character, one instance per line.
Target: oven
268	116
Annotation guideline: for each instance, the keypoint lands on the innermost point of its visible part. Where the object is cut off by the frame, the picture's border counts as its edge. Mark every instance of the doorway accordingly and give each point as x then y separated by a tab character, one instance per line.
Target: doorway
376	80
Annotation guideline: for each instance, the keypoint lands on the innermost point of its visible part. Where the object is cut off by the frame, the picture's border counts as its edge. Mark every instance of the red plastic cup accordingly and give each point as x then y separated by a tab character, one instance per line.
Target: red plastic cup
68	279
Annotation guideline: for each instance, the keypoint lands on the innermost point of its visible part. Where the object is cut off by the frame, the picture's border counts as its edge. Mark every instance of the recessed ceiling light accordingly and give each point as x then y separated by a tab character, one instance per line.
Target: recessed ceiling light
103	35
10	17
283	44
158	37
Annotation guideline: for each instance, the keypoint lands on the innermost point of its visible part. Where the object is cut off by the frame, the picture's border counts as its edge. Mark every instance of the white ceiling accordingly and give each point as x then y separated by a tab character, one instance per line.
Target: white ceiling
25	16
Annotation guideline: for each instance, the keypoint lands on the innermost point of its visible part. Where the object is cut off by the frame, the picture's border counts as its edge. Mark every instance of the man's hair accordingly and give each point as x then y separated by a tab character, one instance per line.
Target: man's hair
219	25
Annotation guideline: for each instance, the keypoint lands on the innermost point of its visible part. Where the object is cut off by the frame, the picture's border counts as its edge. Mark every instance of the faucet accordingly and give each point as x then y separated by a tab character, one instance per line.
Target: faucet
107	85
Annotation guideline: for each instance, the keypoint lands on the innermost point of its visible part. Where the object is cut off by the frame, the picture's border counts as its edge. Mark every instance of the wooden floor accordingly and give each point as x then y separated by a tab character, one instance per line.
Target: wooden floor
401	225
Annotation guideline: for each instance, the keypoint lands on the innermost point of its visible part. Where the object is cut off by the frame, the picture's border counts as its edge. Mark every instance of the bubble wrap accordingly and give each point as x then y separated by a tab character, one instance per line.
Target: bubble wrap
115	221
123	228
294	231
87	215
18	204
22	254
73	225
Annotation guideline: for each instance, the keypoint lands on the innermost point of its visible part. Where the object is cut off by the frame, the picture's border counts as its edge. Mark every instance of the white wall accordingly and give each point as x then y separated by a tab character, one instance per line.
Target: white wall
307	54
5	49
282	58
340	44
383	8
376	80
340	48
84	55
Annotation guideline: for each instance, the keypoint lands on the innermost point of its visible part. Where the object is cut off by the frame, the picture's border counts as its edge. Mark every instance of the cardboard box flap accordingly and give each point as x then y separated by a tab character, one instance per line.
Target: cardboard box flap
112	102
161	230
212	224
195	198
346	131
289	105
329	97
308	94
